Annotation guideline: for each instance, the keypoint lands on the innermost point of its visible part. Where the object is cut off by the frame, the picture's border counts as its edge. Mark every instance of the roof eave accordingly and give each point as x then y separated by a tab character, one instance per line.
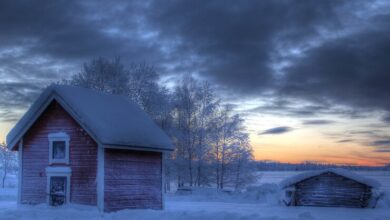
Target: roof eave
137	147
35	115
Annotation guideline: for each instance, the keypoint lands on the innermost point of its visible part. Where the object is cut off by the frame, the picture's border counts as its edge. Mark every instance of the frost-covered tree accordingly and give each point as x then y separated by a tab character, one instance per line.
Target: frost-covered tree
208	103
241	166
138	82
211	146
210	140
185	113
143	86
231	148
8	162
193	106
103	75
144	89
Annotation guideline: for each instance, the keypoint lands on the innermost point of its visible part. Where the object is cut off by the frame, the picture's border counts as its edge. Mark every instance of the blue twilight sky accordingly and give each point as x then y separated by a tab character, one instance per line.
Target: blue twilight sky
311	77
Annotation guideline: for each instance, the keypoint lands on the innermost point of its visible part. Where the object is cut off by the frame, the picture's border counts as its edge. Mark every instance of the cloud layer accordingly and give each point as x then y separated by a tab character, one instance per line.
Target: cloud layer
307	58
317	122
306	49
277	130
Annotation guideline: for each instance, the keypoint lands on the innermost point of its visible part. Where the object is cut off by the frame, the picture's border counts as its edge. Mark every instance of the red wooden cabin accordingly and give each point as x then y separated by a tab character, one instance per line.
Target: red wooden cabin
80	146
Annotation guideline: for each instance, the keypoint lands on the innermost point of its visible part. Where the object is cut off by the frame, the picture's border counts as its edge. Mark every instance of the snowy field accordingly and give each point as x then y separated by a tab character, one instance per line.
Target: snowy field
260	202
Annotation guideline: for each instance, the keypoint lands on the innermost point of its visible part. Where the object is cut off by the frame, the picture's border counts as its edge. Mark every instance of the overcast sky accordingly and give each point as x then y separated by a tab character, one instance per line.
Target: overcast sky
311	77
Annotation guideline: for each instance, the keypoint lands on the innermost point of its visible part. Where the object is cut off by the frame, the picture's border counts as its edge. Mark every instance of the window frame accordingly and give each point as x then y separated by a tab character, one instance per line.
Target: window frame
60	136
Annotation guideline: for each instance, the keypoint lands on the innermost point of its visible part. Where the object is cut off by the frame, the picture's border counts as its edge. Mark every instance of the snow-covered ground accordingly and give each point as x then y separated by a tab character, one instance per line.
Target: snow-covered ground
258	203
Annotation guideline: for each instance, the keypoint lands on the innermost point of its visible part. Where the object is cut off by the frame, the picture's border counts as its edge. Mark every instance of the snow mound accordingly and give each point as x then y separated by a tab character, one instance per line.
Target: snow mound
342	172
265	193
205	194
8	194
384	200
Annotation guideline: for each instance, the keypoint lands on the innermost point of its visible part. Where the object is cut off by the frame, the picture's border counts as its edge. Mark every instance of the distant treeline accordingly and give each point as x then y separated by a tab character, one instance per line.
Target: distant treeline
278	166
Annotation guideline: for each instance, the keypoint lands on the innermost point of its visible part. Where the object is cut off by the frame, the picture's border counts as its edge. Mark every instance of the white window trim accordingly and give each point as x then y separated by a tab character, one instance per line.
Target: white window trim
60	136
60	172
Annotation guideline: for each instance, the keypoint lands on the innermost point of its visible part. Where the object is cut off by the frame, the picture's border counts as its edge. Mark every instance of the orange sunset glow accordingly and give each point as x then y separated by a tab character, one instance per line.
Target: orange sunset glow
303	143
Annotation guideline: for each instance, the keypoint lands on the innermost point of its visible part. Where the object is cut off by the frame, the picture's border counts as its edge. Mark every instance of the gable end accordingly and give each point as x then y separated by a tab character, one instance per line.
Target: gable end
32	115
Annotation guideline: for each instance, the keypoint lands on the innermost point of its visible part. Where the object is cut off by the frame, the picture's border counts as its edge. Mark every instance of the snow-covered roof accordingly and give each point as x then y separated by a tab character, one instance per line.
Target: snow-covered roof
338	171
109	119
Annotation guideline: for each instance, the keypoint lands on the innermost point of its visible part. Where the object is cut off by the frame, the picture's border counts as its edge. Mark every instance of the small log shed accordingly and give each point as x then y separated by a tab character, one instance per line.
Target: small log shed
330	188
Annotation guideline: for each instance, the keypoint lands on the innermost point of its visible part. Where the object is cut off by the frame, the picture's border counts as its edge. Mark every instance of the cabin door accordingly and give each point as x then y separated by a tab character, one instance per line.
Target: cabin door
57	193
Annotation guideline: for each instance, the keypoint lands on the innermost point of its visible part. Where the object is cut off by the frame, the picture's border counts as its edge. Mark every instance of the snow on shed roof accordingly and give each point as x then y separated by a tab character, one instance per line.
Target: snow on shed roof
110	119
338	171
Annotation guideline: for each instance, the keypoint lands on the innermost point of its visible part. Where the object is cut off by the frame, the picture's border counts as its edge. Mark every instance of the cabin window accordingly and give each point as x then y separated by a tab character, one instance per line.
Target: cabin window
58	148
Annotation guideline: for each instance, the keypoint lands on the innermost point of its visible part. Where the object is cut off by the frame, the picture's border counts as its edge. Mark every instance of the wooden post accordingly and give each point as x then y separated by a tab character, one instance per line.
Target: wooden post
100	178
20	171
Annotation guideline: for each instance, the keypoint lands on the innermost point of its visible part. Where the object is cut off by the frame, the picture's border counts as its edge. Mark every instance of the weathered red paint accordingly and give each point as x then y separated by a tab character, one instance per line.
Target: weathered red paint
82	158
132	179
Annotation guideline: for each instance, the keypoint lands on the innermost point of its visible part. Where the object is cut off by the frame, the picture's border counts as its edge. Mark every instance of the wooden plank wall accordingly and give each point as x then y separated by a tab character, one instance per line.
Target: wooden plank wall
83	158
132	180
332	190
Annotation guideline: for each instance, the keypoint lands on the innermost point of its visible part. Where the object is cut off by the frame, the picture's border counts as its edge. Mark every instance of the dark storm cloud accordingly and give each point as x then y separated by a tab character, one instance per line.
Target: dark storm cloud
60	29
386	119
381	145
72	32
317	122
45	41
345	141
302	109
350	70
15	96
21	93
286	107
234	42
277	130
238	45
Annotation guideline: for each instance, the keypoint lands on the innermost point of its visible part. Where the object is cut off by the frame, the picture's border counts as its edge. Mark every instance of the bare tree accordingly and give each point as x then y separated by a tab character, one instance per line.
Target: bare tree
186	96
7	162
231	150
138	82
209	138
103	75
155	99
